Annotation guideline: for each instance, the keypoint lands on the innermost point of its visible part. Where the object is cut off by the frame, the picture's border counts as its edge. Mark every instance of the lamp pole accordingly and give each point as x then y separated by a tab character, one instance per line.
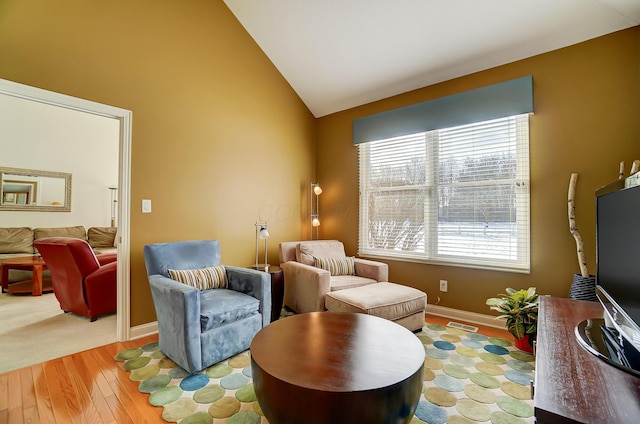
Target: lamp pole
262	234
315	213
114	204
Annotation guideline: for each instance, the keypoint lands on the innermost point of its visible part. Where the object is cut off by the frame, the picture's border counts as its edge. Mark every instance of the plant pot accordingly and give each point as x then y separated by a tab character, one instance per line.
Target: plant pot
583	288
526	343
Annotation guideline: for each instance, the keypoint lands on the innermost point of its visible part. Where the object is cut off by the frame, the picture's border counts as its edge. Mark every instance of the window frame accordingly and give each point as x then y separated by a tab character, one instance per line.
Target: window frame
521	180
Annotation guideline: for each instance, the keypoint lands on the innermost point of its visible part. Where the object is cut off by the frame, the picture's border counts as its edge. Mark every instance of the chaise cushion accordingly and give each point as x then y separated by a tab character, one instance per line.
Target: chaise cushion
222	306
214	277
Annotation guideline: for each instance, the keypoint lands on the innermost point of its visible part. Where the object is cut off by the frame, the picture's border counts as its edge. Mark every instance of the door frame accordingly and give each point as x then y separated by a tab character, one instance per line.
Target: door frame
124	117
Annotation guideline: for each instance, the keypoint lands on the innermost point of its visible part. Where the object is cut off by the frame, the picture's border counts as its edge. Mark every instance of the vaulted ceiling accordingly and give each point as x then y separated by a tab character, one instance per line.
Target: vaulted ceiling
337	54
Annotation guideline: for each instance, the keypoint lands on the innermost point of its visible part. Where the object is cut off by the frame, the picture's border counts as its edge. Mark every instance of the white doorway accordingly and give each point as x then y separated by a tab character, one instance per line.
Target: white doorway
123	120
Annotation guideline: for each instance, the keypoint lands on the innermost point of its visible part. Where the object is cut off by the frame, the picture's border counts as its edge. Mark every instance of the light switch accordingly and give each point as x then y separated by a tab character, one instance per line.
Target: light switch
146	205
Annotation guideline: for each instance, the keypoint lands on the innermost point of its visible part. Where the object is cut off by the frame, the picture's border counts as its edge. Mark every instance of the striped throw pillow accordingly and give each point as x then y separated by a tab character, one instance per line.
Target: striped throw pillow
204	279
336	266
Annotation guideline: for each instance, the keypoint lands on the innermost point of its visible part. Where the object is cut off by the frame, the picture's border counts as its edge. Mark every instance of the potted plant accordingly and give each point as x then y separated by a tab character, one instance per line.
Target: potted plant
520	308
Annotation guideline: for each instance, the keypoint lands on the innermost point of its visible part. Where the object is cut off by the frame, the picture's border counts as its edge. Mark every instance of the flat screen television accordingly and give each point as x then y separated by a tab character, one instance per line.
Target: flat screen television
617	276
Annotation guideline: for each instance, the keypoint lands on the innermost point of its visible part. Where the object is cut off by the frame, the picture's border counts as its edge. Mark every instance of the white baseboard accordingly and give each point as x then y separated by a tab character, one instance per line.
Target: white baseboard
143	330
466	316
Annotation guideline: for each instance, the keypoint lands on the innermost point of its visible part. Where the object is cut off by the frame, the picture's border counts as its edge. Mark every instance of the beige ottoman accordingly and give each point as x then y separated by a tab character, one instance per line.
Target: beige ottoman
403	305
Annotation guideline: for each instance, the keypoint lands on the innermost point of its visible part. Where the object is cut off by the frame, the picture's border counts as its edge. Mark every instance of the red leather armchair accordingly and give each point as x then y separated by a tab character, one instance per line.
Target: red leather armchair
83	283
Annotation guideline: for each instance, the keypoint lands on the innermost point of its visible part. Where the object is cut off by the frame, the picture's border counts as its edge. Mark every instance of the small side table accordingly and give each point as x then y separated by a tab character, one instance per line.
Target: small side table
36	286
277	289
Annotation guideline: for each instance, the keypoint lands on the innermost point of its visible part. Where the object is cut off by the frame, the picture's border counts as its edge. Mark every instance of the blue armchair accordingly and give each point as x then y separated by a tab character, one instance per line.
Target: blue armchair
198	328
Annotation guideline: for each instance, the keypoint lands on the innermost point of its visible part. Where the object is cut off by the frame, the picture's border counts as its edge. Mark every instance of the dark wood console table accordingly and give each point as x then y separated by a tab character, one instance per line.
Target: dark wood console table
571	384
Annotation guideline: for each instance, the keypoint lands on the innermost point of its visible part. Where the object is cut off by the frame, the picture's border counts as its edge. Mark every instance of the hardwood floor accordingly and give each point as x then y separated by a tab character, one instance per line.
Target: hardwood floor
91	387
86	387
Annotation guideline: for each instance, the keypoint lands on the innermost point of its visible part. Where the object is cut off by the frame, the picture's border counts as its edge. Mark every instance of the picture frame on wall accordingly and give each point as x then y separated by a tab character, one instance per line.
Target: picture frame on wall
9	198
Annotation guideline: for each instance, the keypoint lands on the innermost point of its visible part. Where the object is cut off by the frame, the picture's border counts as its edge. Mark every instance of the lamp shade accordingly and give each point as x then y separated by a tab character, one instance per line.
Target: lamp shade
317	190
264	234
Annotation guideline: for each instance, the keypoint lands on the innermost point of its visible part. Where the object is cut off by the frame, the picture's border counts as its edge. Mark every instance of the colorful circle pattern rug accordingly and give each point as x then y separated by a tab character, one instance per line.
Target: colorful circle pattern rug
468	378
472	378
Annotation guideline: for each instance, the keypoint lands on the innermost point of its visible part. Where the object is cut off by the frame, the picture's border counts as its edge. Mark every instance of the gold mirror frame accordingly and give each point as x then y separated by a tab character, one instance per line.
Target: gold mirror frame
5	206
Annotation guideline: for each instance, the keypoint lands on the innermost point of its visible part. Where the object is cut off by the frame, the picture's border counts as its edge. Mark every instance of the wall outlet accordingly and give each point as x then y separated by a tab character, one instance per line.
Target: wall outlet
443	285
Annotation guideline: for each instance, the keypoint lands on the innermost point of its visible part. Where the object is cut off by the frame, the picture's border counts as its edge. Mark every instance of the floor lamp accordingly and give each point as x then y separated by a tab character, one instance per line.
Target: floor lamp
114	204
315	191
262	234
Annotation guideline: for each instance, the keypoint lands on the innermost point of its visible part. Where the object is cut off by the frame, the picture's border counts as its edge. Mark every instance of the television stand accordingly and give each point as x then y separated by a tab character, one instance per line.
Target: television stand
572	385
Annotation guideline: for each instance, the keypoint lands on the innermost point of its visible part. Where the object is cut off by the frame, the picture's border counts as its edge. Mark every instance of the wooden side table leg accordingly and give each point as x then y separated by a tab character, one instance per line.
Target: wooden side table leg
4	274
37	280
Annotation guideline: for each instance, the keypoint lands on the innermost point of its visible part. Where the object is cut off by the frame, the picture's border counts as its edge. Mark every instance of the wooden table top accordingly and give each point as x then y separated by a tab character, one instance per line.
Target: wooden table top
24	260
571	384
337	352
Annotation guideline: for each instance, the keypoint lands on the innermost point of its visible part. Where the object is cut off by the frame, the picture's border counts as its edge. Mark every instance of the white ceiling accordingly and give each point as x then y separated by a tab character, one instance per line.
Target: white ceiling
337	54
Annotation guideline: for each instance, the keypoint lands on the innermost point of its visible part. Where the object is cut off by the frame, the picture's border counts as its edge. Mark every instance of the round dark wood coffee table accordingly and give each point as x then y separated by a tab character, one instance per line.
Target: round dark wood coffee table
331	367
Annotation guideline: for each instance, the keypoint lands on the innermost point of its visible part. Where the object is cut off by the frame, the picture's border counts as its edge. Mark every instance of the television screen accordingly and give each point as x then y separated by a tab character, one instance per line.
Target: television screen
618	257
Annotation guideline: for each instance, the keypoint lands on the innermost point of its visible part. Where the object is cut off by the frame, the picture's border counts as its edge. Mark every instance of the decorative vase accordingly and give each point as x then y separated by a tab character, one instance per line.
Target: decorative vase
583	288
526	343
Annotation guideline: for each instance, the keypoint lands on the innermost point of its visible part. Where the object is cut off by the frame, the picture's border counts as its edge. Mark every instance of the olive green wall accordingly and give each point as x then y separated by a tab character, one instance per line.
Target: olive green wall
587	120
220	140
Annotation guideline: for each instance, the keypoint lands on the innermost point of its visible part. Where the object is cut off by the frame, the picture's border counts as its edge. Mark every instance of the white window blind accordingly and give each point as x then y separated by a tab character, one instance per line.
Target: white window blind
457	196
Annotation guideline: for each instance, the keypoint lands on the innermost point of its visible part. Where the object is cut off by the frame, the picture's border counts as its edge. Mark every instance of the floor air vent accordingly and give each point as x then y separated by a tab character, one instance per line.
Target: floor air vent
464	327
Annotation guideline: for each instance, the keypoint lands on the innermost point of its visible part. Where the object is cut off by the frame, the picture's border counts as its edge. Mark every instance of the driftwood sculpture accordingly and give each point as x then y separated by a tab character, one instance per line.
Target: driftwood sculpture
573	229
635	167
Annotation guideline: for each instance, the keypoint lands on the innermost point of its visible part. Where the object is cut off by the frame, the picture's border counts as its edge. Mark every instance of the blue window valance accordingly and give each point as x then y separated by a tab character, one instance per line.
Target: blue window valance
507	98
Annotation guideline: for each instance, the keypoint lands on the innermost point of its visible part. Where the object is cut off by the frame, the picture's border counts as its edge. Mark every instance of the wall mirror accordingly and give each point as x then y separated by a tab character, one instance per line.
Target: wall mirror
33	190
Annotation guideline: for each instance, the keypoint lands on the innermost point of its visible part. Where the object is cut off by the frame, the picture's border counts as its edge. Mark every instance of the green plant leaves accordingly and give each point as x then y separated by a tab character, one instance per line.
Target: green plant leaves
519	307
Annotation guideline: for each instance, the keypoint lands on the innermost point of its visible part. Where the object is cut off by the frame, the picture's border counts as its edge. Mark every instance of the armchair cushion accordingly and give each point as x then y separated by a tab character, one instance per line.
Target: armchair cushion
342	282
306	250
336	266
204	278
222	306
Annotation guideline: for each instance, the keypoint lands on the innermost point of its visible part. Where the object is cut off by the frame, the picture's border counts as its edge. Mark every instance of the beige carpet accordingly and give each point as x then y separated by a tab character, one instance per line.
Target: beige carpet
34	329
